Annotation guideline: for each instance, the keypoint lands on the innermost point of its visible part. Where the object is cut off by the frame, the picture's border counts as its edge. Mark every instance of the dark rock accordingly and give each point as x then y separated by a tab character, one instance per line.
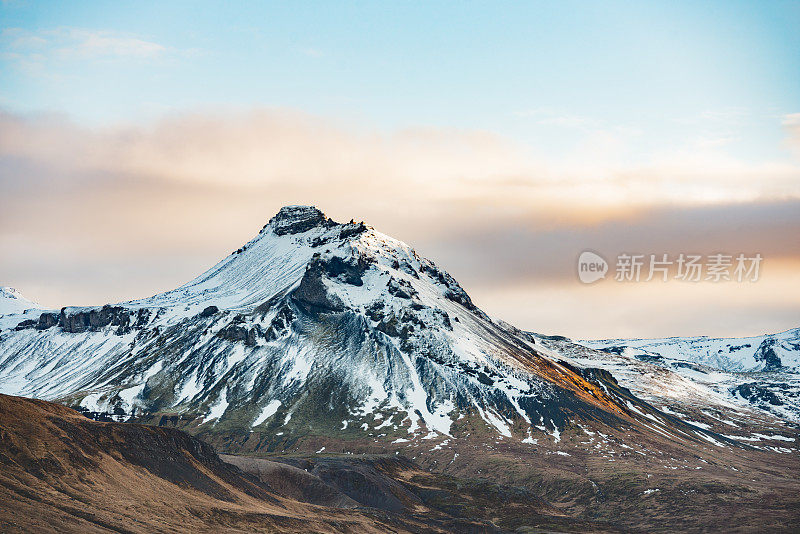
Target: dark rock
617	350
454	291
688	365
75	322
321	240
93	319
401	289
484	379
351	229
444	318
109	315
348	272
280	323
47	320
756	394
142	316
298	219
390	326
209	311
253	334
236	331
233	332
27	323
312	292
766	353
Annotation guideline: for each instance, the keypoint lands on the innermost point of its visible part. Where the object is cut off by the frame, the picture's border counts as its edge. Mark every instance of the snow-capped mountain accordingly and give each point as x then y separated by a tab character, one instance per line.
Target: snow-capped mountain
761	371
746	354
318	332
12	301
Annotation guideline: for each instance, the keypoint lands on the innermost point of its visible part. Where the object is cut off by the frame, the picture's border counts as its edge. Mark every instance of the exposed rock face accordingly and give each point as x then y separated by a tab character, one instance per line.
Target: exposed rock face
237	330
766	353
317	334
454	291
298	219
209	311
27	323
312	291
76	321
757	394
47	320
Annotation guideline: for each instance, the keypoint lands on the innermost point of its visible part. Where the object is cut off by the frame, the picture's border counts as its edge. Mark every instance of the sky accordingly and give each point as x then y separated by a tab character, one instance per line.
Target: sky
141	142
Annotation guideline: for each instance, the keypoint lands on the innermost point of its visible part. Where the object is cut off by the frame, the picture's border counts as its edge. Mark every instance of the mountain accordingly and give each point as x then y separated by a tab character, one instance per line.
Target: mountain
331	340
319	327
760	371
12	301
745	354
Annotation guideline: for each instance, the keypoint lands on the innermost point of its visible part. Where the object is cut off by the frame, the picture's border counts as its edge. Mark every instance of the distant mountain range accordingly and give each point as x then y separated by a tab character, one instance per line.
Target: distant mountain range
761	371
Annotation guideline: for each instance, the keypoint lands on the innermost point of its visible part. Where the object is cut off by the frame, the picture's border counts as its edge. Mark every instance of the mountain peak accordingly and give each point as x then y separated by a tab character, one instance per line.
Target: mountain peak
12	301
298	219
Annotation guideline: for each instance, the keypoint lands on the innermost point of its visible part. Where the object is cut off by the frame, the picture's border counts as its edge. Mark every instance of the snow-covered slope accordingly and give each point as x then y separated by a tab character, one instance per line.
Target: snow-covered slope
758	353
318	330
12	301
760	371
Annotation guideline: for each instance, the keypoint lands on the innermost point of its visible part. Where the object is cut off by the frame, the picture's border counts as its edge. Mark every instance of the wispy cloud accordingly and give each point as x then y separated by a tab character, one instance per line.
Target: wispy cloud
92	44
27	48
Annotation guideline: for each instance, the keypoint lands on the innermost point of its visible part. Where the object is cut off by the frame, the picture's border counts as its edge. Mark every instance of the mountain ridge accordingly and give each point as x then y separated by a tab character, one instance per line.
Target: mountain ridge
324	339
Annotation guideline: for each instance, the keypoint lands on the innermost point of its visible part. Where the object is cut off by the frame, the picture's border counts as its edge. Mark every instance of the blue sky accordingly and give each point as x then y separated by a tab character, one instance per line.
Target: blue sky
540	73
499	139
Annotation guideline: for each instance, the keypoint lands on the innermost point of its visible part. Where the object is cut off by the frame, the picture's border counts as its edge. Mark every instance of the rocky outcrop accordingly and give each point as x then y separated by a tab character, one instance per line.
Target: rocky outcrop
756	394
76	320
238	331
312	292
766	353
454	291
209	311
27	323
47	320
298	219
